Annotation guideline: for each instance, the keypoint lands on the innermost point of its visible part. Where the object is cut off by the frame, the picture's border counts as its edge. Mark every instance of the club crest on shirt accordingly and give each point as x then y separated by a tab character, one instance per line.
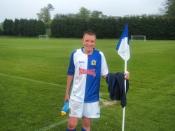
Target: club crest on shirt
93	62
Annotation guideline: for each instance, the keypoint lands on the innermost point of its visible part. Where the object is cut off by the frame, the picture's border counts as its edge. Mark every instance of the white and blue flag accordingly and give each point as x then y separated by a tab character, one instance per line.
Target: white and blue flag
123	46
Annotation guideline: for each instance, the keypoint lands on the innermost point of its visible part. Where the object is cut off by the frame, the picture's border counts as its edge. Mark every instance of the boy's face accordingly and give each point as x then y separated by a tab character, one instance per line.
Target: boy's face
89	43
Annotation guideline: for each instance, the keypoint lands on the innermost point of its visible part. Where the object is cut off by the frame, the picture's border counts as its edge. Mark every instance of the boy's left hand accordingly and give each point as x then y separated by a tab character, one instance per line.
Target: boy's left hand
126	75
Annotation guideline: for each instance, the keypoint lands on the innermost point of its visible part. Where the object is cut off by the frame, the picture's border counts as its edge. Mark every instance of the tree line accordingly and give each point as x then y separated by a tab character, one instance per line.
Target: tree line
23	27
154	27
73	25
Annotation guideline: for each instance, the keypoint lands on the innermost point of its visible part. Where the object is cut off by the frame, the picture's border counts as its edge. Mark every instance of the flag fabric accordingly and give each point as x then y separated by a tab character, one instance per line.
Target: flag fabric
123	46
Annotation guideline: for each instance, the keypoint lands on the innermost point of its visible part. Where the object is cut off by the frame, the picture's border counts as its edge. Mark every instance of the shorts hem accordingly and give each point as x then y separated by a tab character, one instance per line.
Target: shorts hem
75	116
93	117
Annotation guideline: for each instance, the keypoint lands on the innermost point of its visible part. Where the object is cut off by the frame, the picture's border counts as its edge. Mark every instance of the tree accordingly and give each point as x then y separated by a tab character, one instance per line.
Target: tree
1	29
17	27
83	13
8	27
62	16
23	27
44	14
96	14
170	8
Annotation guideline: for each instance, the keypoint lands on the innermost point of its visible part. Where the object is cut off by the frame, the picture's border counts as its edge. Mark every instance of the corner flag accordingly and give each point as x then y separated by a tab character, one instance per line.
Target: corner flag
122	46
124	52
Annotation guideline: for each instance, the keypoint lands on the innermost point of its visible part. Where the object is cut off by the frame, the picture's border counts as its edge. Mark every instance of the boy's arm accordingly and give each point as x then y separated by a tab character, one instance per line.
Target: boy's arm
126	75
68	87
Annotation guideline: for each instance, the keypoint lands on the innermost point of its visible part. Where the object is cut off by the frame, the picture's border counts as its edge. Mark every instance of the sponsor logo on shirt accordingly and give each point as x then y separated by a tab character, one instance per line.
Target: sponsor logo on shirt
81	61
88	72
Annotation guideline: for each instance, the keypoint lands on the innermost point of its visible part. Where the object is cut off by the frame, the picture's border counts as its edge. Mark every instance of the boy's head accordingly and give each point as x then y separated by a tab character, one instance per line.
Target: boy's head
89	41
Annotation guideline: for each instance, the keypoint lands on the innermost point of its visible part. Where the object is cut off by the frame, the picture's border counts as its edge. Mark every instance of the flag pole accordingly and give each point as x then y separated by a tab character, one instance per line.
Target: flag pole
123	117
124	52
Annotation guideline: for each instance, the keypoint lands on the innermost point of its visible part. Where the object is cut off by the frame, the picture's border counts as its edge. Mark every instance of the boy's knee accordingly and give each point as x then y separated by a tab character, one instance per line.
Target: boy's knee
72	123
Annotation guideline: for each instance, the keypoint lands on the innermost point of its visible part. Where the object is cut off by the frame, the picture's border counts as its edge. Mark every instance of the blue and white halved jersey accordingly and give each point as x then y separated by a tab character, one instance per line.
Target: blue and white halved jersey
87	71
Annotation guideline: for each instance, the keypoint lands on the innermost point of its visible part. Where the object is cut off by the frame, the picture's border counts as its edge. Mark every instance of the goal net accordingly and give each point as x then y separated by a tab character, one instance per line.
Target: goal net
43	36
138	37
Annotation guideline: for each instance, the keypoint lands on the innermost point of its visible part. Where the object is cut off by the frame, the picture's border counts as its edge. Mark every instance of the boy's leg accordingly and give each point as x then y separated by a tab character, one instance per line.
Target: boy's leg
70	130
72	123
86	124
90	110
75	113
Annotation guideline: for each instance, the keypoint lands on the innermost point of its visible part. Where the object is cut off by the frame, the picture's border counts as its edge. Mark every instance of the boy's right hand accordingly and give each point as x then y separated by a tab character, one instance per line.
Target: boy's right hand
65	108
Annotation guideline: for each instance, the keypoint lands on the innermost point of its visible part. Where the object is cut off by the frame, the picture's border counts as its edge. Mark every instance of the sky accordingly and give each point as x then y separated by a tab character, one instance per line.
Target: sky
28	9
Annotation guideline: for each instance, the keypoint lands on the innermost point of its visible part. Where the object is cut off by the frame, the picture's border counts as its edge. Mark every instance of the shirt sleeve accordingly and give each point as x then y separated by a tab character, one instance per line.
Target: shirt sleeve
71	67
104	66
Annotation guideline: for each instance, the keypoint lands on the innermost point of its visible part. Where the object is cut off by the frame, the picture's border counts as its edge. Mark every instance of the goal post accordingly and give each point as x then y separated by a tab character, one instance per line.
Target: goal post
138	37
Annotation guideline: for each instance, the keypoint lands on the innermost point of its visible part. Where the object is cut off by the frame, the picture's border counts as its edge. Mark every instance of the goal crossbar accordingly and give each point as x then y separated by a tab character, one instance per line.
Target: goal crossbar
138	37
43	36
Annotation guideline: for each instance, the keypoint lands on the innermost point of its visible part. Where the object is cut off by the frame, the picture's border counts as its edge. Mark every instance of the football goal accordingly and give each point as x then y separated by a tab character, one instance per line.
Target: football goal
138	37
43	36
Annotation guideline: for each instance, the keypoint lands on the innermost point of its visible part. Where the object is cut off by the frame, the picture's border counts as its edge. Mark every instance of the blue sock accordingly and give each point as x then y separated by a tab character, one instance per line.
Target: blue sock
82	129
70	129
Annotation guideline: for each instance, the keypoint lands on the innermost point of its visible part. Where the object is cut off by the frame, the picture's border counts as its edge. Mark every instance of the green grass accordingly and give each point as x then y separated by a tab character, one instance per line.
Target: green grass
33	79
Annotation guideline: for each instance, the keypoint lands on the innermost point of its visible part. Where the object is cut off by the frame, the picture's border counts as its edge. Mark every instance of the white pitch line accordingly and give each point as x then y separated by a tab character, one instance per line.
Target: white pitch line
65	120
43	82
29	79
53	125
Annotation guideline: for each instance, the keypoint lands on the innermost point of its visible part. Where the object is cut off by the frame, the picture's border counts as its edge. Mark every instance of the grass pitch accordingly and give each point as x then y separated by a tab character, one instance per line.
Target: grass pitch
33	79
